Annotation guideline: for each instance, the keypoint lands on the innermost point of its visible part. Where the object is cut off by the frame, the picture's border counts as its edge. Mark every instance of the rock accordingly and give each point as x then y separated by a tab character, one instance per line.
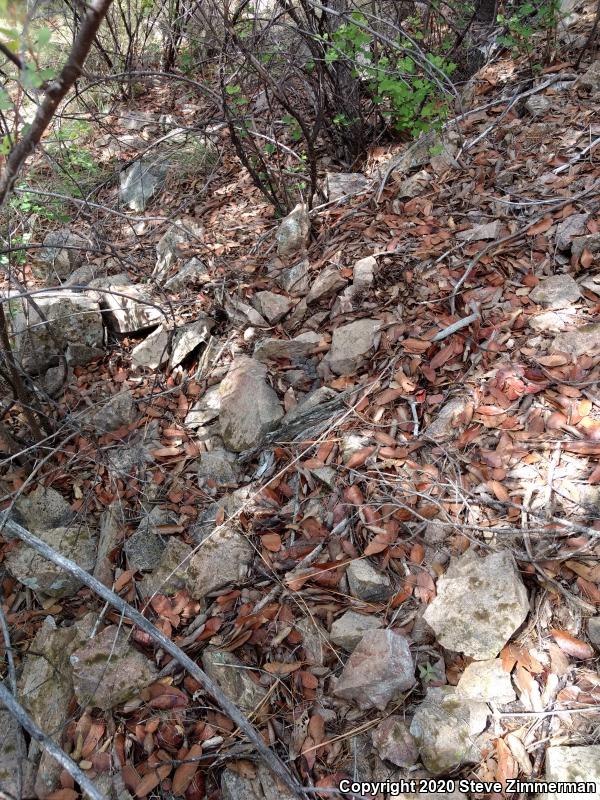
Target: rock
556	291
181	236
487	682
206	409
593	630
249	406
590	80
233	678
573	765
294	280
32	570
118	412
304	408
62	252
239	787
128	309
579	342
497	607
445	728
293	232
327	282
415	185
171	573
314	641
144	549
491	230
139	120
447	424
380	667
153	351
291	349
552	321
108	671
13	760
340	184
366	583
418	154
273	307
364	273
394	742
351	345
72	319
581	243
347	630
218	465
140	182
569	228
111	522
41	509
538	105
241	313
193	273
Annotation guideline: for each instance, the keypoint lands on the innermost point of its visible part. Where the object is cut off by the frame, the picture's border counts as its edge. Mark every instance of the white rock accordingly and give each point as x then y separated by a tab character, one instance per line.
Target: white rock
293	232
415	185
363	273
294	280
63	251
486	681
340	184
233	678
327	282
273	307
394	742
128	309
182	234
192	273
348	630
140	182
590	242
579	342
538	105
591	79
553	321
120	410
219	465
573	765
556	291
490	230
366	583
153	351
188	338
351	345
205	409
480	603
594	631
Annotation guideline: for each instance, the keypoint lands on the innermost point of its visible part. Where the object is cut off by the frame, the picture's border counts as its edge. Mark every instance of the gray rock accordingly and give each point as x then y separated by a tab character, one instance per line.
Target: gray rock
590	80
193	273
291	349
415	185
446	424
590	242
239	787
351	345
72	318
205	409
144	550
327	283
312	401
293	232
348	630
41	509
340	184
140	182
108	671
446	727
294	280
556	291
241	313
182	235
366	583
153	351
33	571
111	522
128	309
418	154
137	120
480	603
489	230
573	765
553	321
249	406
394	742
233	678
538	105
13	757
579	342
593	630
487	682
119	411
273	307
219	465
363	273
569	228
380	668
62	253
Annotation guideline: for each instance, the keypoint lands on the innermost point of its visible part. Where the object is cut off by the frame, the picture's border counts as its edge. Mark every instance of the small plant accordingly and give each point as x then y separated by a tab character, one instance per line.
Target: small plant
525	23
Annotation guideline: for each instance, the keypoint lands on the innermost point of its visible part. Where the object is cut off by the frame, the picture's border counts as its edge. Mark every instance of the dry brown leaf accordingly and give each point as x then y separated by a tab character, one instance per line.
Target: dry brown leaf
571	645
184	773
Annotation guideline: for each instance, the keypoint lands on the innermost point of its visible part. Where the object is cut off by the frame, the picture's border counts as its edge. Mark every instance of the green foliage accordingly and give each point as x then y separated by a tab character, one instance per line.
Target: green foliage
525	24
27	203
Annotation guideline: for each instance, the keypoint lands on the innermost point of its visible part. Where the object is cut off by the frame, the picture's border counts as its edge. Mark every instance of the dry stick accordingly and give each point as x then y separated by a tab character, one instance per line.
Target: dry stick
513	237
273	761
25	721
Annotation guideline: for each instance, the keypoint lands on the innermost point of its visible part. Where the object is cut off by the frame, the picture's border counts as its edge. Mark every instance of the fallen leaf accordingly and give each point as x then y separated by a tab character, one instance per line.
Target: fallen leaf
571	645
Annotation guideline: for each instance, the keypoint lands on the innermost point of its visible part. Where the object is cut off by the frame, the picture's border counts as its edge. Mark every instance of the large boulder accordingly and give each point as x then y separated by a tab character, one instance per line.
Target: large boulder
480	603
249	406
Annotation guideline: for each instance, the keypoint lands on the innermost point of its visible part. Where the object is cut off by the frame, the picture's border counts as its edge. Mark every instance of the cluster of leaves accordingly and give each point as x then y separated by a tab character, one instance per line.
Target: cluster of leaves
526	21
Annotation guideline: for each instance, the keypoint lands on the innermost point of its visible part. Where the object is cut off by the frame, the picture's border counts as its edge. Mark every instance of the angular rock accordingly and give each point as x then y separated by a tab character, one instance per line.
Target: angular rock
590	242
573	765
292	235
490	230
308	404
579	342
291	349
415	185
556	291
366	583
241	313
552	321
446	727
140	182
273	307
538	105
41	509
182	235
327	283
351	345
111	522
220	466
380	667
128	309
363	273
32	570
144	550
348	630
108	671
590	80
294	279
13	757
206	409
487	682
72	319
249	406
233	678
394	742
569	228
193	273
593	631
340	184
62	253
119	411
153	351
446	425
497	604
